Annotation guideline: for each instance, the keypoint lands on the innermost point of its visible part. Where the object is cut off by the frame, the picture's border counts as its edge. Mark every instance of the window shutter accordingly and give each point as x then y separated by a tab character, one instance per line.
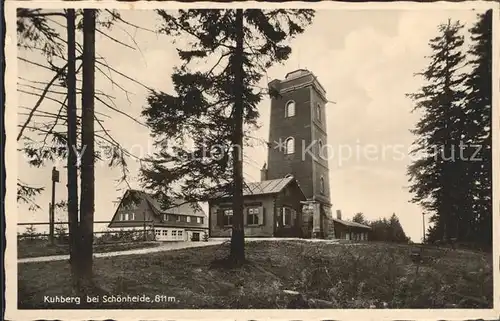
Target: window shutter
220	217
245	216
262	216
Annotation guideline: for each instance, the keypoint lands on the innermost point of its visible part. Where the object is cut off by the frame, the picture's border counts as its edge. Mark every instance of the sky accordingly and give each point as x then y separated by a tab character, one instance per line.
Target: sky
365	60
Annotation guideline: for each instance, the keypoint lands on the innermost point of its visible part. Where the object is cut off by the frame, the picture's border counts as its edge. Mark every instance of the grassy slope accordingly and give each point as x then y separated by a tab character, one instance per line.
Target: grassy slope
36	248
350	276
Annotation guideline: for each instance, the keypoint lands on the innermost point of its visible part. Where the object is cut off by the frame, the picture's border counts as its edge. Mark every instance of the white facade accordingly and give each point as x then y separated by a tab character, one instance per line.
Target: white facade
176	234
170	234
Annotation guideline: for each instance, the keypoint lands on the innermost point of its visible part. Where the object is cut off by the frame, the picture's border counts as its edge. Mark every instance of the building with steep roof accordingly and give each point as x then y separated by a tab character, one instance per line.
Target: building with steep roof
180	221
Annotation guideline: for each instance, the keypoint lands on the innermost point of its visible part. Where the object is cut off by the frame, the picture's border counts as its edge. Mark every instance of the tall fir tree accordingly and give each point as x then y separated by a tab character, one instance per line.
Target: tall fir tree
72	142
87	206
213	105
479	123
397	234
38	32
437	176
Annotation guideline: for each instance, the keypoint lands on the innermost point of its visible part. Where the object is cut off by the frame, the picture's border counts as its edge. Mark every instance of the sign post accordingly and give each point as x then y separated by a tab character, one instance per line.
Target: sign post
55	179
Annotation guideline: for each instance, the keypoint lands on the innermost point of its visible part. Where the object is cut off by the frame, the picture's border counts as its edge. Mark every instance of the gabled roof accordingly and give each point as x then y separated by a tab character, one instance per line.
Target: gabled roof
273	186
178	206
351	224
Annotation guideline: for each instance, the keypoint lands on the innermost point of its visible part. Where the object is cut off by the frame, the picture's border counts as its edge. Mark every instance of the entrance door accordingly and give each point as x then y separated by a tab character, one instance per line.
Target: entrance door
196	236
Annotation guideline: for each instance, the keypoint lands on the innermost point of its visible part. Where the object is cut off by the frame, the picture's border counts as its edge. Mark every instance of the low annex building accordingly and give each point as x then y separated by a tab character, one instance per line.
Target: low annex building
347	230
272	208
181	222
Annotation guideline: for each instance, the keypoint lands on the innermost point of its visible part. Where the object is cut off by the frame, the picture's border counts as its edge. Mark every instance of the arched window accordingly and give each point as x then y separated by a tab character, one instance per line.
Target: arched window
318	112
320	147
290	109
322	185
290	145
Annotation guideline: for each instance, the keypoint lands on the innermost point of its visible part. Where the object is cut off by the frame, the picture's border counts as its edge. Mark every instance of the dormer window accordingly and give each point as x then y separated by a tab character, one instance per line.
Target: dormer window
290	146
290	109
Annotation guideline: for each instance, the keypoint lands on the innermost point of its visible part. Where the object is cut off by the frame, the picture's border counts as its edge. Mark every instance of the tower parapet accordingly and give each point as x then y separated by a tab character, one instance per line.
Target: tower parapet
298	79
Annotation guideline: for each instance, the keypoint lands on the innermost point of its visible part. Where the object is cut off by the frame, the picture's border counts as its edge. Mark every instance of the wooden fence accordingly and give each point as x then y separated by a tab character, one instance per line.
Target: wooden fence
60	233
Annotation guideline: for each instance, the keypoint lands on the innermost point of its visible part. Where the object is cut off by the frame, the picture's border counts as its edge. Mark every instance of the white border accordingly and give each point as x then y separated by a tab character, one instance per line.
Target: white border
11	311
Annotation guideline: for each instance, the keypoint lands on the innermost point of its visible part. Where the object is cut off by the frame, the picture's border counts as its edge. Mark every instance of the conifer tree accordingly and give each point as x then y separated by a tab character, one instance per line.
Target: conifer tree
212	105
437	176
479	119
397	234
359	218
86	232
36	32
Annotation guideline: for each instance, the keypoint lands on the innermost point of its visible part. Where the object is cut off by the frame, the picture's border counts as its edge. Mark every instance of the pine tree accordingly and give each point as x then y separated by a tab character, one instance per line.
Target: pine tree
397	234
213	105
35	32
436	178
479	119
359	218
88	141
72	142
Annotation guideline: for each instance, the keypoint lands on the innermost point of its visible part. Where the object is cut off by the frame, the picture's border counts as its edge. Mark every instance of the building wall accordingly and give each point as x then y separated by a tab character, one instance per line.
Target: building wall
299	127
165	234
290	197
319	133
265	229
305	164
350	233
171	221
142	211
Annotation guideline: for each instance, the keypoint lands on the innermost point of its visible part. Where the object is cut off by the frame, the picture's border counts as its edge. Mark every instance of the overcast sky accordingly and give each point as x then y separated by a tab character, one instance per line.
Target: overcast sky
365	59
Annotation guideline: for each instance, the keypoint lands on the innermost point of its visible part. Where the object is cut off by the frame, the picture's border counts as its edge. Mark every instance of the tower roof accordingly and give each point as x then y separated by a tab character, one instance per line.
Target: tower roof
296	79
297	73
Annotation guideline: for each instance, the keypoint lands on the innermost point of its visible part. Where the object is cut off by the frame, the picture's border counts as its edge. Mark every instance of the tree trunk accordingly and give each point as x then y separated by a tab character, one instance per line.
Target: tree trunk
72	148
237	254
87	166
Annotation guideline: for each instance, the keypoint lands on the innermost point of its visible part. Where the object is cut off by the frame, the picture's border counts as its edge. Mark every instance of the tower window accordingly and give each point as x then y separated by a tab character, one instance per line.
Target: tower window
290	109
318	112
290	146
322	185
320	148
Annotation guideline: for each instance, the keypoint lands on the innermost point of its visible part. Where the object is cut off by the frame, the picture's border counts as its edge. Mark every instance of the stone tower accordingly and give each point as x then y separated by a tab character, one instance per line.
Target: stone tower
298	141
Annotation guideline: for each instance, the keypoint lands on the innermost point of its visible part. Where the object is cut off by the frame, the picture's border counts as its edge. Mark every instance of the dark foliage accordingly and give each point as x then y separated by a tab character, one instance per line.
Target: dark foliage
452	178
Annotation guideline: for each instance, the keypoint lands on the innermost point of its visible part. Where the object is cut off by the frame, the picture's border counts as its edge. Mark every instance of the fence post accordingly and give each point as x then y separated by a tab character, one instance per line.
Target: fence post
145	235
153	228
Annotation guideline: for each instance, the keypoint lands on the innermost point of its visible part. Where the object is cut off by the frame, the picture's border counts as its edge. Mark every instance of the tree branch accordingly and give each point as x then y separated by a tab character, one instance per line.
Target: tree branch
57	75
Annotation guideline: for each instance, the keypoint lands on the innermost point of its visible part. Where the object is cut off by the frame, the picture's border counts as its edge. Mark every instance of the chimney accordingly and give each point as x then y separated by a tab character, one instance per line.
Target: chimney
263	173
339	214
